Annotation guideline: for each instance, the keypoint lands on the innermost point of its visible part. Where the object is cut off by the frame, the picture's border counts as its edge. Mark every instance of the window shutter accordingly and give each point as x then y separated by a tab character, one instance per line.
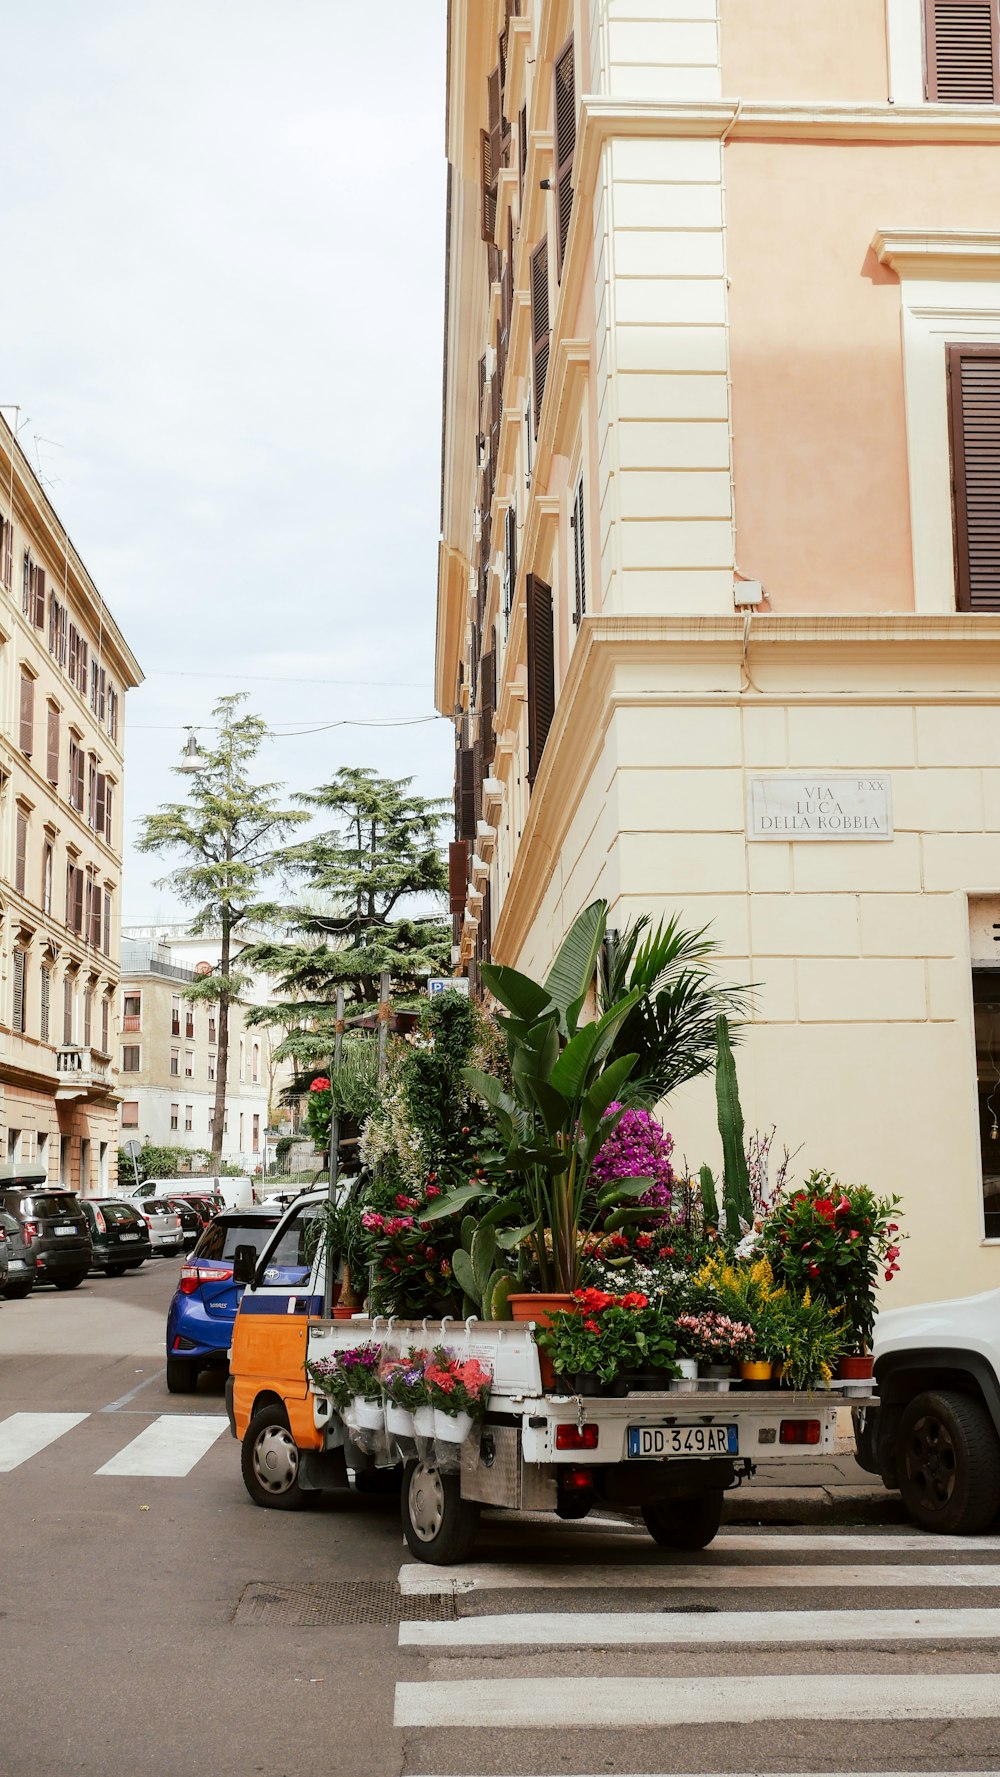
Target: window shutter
92	792
466	794
522	154
28	586
63	620
39	615
974	391
18	1010
105	1019
458	875
541	669
540	322
108	809
489	160
565	146
45	1004
52	746
74	642
21	854
107	923
510	562
53	626
69	894
27	725
579	557
82	664
94	925
78	899
487	705
961	47
67	1009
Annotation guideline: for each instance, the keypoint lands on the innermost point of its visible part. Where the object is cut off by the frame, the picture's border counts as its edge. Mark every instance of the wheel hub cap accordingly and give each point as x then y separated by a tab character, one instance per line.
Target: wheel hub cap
426	1502
931	1463
276	1459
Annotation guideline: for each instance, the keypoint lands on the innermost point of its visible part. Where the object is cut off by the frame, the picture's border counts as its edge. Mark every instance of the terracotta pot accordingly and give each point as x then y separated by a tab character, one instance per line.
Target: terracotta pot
341	1312
856	1367
540	1309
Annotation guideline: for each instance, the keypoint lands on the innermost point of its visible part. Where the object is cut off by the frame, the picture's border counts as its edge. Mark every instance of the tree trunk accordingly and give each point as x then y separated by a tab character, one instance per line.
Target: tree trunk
222	1071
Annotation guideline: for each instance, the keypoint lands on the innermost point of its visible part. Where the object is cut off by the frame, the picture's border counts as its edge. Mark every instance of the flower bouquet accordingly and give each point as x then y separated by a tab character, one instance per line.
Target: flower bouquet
351	1378
717	1342
405	1388
458	1390
833	1240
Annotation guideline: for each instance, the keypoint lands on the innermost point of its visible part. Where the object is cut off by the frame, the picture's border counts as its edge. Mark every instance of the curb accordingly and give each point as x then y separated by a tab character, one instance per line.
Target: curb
814	1505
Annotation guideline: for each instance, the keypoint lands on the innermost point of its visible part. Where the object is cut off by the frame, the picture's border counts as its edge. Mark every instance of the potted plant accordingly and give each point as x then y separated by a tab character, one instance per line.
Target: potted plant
717	1342
359	1386
833	1240
458	1390
607	1343
405	1388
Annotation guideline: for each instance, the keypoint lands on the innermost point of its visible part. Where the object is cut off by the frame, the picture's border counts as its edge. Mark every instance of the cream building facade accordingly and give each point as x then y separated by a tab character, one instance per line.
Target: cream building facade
64	670
719	581
168	1060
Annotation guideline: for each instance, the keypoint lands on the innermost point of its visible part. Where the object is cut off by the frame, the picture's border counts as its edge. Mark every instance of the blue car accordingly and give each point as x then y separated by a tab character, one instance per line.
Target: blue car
201	1315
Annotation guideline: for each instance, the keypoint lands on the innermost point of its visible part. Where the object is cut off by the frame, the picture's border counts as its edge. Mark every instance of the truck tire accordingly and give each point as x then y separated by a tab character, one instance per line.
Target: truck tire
684	1523
438	1524
948	1463
270	1460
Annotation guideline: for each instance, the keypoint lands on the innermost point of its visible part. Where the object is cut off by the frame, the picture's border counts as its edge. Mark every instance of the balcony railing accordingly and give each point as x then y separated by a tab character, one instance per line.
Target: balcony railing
132	1021
80	1067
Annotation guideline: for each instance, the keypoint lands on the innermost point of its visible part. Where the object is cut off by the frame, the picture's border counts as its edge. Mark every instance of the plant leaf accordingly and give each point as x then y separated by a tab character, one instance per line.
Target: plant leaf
503	1290
572	972
484	1248
512	1237
522	996
447	1206
465	1277
623	1190
603	1092
569	1075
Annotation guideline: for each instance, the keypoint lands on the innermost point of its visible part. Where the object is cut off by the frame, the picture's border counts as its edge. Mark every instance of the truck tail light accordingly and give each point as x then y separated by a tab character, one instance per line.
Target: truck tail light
577	1437
799	1431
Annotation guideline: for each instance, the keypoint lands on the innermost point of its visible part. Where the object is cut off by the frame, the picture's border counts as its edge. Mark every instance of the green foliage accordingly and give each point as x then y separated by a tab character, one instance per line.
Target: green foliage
834	1240
427	1128
671	1027
736	1177
603	1340
159	1162
353	1089
709	1197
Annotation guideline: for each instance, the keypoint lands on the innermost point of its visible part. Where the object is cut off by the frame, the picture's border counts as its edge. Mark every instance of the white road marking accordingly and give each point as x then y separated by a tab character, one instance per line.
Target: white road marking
785	1774
418	1580
648	1628
671	1702
24	1434
170	1446
772	1542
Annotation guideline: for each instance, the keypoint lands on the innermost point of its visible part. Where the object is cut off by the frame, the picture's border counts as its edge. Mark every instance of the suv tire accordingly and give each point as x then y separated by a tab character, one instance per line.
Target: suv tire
16	1292
271	1462
182	1375
684	1523
438	1524
72	1282
948	1463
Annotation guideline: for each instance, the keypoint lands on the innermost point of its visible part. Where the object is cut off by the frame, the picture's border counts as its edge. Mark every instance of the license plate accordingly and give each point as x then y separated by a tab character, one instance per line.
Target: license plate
683	1440
66	1228
128	1236
15	1265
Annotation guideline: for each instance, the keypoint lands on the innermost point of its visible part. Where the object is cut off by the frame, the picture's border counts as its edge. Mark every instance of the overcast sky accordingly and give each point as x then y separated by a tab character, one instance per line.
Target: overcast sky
223	247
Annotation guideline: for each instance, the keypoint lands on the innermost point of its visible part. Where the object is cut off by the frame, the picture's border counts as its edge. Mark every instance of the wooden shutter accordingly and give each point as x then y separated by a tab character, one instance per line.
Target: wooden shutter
39	613
540	322
108	809
522	155
579	556
74	648
466	794
52	746
541	669
18	1009
94	932
487	705
27	725
69	894
45	1004
974	403
458	875
107	923
565	145
67	1009
63	621
21	853
28	586
510	559
105	1018
489	161
101	804
82	665
53	627
962	47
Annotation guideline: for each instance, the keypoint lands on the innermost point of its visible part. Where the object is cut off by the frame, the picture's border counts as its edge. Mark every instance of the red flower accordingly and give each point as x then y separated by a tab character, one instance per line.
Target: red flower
592	1326
322	1085
644	1242
635	1300
433	1191
666	1252
814	1270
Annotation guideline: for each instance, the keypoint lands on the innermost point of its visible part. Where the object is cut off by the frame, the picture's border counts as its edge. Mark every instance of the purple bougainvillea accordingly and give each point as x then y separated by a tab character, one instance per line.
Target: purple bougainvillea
639	1147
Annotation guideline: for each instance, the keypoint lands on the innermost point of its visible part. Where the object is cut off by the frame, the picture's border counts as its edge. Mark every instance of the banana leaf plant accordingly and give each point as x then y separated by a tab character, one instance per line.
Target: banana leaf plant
552	1123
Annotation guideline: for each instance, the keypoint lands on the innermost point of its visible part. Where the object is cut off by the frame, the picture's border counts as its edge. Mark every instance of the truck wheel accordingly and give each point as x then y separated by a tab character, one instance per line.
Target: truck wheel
270	1461
948	1463
438	1524
684	1523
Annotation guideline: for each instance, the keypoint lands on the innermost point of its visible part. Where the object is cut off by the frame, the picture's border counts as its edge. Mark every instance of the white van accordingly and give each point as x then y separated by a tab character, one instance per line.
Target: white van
236	1193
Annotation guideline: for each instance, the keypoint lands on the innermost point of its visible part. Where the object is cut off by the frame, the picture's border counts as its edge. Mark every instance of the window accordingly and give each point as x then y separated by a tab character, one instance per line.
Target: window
541	669
255	1064
45	1002
98	683
75	772
509	564
564	112
256	1133
17	1021
189	1064
33	592
7	552
211	1064
14	1145
132	1011
74	896
174	1113
130	1058
974	412
48	857
175	1015
93	928
243	1061
84	1169
108	809
112	712
189	1023
26	736
68	999
21	851
107	923
130	1113
88	1015
211	1028
961	48
540	330
579	557
241	1132
105	1024
57	631
189	1117
97	800
175	1062
42	1151
52	744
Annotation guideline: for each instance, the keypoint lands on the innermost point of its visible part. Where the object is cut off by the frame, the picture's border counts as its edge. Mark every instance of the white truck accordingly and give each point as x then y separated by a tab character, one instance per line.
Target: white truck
934	1432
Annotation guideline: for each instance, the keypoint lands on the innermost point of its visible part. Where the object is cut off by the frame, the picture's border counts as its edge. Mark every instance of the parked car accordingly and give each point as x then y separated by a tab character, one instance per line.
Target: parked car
119	1235
201	1315
205	1201
20	1280
4	1259
54	1228
192	1219
164	1223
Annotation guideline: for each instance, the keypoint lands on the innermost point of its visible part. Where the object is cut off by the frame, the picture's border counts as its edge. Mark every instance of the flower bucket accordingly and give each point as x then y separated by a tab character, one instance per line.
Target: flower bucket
856	1367
348	1414
368	1415
757	1374
423	1422
540	1309
343	1313
398	1421
451	1428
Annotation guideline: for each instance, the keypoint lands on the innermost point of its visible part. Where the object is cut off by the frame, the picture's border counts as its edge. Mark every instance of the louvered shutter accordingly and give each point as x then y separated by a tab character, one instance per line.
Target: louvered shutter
21	853
67	1009
487	705
107	922
510	560
489	161
565	146
39	614
69	894
28	586
467	794
53	627
974	391
63	620
458	875
541	669
27	713
579	557
74	644
95	916
78	900
82	664
522	154
962	51
88	918
101	803
46	1001
540	322
109	811
18	1008
52	746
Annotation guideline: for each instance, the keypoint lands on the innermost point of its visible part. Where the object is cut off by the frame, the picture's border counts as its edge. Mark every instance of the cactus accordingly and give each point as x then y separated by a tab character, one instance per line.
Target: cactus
709	1197
736	1176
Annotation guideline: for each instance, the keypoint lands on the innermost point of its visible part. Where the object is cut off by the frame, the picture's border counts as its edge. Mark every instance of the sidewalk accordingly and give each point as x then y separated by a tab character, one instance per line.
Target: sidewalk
837	1491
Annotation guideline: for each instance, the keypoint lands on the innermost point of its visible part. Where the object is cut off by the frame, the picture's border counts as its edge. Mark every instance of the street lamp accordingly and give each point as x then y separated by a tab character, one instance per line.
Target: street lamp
192	757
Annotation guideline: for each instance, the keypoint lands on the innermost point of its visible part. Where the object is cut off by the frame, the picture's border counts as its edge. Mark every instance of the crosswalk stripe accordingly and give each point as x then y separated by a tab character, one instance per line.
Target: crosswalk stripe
418	1580
25	1434
170	1446
514	1703
769	1774
649	1628
773	1542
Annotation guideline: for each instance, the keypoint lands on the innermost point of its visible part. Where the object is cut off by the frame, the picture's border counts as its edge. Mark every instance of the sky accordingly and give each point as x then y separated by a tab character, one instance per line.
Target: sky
222	303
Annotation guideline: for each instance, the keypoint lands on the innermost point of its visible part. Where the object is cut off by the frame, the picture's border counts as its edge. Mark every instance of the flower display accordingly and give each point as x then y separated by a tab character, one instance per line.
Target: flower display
838	1241
404	1381
457	1385
603	1334
349	1373
714	1338
638	1147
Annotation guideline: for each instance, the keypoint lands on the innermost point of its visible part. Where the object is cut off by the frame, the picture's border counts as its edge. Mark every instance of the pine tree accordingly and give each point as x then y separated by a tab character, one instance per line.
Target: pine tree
227	835
360	879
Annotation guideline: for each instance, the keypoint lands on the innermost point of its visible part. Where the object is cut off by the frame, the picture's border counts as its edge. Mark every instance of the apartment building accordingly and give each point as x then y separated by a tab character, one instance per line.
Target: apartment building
64	670
168	1061
719	578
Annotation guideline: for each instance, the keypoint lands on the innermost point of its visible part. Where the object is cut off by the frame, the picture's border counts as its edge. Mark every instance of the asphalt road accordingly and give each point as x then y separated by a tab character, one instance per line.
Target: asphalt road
157	1622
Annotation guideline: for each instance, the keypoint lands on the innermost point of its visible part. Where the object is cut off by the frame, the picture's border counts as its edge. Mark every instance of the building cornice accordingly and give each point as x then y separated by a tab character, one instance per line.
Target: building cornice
940	253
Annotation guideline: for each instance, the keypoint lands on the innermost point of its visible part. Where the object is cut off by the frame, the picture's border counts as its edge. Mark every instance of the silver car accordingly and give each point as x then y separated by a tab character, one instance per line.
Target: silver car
165	1230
